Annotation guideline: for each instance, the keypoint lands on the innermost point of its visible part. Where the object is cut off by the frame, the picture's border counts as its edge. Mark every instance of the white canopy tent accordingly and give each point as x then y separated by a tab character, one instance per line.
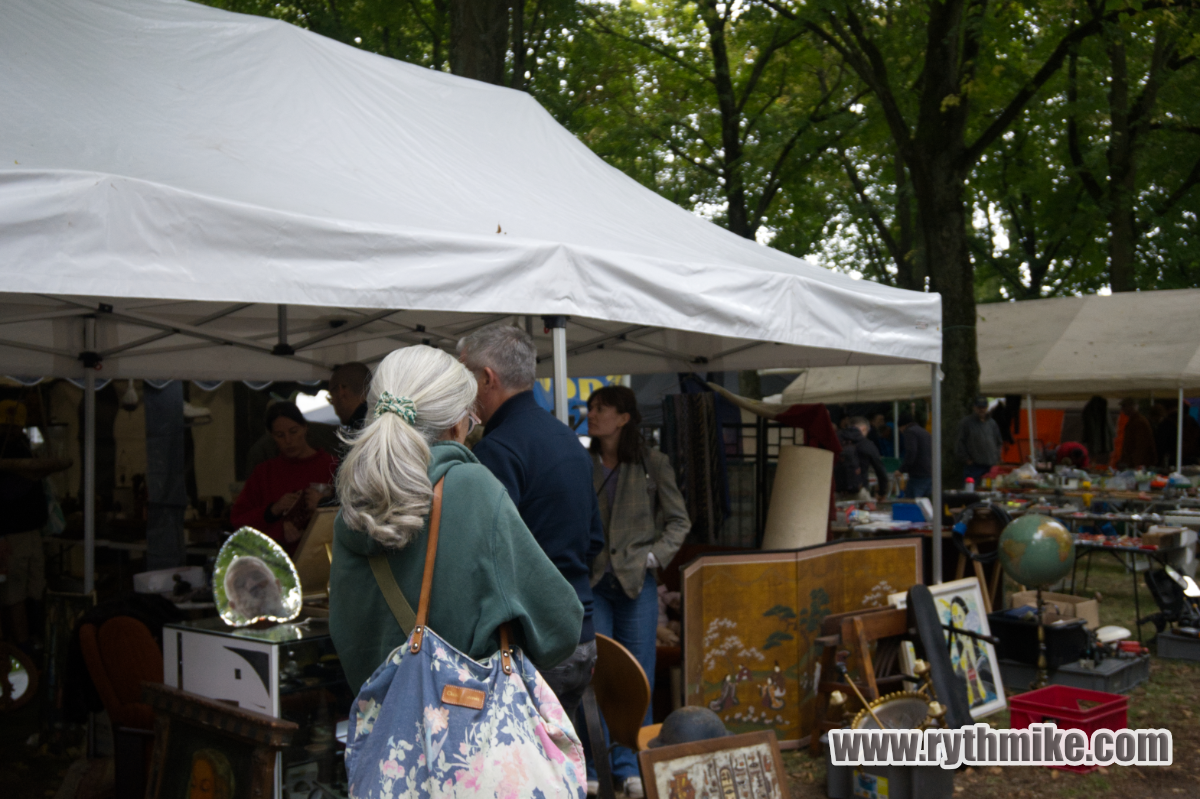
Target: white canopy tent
190	193
1126	344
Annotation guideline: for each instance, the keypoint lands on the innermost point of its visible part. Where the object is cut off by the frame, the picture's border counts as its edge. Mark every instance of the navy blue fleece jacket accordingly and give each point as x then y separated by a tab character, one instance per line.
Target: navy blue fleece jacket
548	475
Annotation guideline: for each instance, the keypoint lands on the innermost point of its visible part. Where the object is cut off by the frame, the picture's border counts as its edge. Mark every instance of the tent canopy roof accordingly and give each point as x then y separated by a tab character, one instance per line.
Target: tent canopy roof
187	160
1064	348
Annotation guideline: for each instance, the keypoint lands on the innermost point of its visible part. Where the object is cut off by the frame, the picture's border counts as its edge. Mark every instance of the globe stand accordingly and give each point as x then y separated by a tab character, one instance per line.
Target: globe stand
1037	550
1042	676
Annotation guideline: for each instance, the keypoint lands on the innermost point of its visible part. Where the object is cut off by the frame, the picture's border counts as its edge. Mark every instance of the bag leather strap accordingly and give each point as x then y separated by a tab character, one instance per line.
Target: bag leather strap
435	520
392	593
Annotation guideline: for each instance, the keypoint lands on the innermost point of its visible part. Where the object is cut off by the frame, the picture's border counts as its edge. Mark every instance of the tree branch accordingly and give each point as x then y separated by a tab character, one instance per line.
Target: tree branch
1052	64
653	47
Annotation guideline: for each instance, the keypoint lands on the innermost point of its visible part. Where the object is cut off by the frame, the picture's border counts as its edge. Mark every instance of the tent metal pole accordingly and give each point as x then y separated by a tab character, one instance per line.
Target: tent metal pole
1179	436
89	462
896	428
936	407
1032	429
558	330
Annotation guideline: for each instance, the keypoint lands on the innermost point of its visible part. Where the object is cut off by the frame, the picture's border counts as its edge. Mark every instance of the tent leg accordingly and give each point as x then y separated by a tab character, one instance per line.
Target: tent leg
89	463
1179	436
558	329
936	408
1032	430
896	428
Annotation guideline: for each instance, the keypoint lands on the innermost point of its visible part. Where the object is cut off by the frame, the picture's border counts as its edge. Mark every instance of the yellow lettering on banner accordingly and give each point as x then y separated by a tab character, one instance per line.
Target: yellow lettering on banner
587	385
545	382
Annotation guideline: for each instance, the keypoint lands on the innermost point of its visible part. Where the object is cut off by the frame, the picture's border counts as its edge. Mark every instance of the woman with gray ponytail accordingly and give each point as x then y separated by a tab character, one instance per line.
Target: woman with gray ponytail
489	569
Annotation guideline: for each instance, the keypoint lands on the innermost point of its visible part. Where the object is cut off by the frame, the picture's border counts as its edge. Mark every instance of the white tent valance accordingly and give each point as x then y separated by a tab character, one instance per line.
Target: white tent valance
1064	348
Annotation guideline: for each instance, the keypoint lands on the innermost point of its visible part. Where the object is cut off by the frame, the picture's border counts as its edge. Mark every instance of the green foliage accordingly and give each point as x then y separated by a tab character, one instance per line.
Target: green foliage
754	113
777	638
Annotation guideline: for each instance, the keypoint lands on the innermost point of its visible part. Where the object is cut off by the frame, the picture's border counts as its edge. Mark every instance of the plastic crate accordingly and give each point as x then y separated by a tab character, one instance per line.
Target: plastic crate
1060	704
1174	645
1114	675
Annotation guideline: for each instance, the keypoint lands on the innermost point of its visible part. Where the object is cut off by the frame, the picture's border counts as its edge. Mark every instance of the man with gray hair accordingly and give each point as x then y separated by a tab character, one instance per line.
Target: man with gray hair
548	475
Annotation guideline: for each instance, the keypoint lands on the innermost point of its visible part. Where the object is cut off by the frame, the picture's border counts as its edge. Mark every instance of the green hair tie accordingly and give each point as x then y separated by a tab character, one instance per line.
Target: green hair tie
403	407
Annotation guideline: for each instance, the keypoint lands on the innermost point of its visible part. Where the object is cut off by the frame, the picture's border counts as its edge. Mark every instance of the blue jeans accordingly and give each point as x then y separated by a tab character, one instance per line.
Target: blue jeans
976	471
919	487
633	623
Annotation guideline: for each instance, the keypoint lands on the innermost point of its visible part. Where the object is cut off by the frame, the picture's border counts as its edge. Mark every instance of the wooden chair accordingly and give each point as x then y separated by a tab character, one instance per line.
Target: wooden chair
855	632
620	693
121	656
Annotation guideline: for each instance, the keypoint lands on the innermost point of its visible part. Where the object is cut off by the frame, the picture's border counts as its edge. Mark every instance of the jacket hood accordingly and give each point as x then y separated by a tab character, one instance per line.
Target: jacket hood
851	434
444	455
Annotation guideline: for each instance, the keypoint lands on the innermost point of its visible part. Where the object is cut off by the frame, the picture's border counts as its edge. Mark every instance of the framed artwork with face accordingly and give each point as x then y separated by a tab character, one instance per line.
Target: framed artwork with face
960	604
204	749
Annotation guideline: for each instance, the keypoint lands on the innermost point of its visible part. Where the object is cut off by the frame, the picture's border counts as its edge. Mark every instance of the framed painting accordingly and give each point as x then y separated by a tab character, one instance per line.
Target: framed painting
736	765
751	621
960	603
204	748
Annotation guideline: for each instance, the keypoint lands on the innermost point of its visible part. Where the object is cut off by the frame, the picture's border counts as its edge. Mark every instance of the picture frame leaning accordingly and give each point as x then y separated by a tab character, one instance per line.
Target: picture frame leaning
960	603
749	764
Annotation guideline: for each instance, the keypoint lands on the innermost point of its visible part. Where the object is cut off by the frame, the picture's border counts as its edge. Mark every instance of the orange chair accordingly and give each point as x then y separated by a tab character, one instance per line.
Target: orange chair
120	656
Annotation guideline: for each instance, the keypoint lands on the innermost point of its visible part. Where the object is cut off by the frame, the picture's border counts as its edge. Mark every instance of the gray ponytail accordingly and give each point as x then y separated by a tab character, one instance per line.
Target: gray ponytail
383	483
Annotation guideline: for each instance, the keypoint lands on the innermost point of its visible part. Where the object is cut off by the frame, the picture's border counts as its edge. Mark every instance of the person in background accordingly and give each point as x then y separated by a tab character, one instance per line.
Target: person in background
858	453
918	456
23	513
1137	443
645	523
282	493
489	569
348	394
978	443
1166	432
1071	453
881	435
548	475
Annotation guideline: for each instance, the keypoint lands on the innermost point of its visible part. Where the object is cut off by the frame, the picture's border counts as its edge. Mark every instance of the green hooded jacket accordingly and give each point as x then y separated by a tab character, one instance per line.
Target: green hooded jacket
489	570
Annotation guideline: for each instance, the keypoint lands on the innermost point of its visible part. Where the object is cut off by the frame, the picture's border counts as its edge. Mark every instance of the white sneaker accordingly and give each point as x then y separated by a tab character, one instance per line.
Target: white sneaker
593	787
633	788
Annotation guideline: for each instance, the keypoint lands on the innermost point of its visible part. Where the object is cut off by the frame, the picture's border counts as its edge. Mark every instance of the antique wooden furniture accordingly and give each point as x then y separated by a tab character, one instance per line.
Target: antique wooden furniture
983	531
620	693
204	744
855	632
121	655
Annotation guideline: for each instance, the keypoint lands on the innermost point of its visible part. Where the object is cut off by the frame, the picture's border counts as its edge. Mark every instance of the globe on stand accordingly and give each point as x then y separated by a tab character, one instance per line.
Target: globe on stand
1037	551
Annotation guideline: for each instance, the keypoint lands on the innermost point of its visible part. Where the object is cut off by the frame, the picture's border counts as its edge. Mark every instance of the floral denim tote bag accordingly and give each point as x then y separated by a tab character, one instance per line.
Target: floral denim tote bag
433	722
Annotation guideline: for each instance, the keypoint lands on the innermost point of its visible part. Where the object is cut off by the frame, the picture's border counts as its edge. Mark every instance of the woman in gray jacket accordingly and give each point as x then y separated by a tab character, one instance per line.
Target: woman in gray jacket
645	522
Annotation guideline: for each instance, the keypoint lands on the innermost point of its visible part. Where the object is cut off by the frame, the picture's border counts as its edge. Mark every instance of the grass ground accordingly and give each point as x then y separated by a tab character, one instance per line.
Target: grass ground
1170	699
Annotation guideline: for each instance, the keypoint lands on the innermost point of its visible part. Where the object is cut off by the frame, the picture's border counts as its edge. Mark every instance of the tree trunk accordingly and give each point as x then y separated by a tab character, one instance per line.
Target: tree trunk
731	138
479	39
938	168
1122	174
939	192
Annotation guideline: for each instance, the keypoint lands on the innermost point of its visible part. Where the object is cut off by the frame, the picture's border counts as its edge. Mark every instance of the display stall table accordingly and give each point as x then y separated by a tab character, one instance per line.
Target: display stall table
289	671
1086	549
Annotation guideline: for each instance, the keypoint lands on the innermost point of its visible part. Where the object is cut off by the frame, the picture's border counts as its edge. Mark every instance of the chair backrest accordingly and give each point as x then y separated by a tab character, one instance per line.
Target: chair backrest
312	562
120	656
622	691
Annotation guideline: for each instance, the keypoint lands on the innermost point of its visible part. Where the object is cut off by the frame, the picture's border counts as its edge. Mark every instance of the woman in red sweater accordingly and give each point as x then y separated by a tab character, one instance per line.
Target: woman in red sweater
282	493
